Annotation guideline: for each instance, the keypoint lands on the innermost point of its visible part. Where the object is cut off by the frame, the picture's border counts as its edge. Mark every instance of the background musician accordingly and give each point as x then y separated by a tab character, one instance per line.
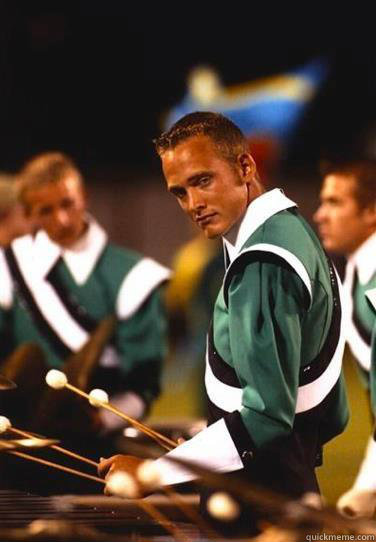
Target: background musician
65	281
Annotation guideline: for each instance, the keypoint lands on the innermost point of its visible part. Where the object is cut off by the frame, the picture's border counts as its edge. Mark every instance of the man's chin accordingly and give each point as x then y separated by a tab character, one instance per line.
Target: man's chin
64	241
212	234
326	242
331	247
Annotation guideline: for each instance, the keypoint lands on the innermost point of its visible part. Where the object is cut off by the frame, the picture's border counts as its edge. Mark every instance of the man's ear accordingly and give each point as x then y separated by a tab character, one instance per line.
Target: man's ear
247	166
369	214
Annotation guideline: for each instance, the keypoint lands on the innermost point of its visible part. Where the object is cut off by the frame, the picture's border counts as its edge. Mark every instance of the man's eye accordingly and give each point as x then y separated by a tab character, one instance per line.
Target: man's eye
44	211
66	203
179	194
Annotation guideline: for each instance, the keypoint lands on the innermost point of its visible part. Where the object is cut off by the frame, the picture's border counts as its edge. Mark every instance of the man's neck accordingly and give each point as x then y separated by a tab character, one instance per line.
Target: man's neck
351	254
255	190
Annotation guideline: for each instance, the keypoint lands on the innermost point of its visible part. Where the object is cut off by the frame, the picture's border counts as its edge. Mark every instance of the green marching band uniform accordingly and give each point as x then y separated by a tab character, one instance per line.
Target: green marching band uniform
55	298
360	277
363	338
273	374
359	302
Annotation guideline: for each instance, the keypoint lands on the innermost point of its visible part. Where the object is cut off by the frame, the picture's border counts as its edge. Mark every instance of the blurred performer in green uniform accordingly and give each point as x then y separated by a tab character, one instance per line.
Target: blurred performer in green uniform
58	285
347	225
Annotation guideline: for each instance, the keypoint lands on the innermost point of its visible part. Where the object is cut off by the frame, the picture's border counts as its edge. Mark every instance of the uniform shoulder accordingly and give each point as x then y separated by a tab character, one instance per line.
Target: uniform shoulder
119	257
286	227
289	231
284	242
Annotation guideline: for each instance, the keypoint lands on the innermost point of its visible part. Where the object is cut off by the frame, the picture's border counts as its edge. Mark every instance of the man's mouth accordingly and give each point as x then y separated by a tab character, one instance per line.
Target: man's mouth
64	233
323	232
204	219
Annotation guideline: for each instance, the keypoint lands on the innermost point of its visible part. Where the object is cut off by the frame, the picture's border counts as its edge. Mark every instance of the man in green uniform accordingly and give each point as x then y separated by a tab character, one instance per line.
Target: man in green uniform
347	226
57	286
273	371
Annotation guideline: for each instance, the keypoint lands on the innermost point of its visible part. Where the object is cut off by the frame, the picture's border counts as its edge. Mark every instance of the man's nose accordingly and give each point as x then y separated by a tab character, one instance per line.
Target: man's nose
195	200
62	217
319	215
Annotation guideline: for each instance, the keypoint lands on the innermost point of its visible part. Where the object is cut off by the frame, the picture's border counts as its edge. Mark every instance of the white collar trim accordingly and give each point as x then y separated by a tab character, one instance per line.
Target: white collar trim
364	259
258	211
80	259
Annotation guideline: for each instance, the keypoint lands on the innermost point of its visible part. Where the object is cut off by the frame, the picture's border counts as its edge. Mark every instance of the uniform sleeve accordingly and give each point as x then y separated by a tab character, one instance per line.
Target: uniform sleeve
266	306
141	342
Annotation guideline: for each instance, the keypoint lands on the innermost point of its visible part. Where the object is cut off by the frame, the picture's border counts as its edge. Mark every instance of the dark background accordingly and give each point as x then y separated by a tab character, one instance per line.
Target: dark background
94	78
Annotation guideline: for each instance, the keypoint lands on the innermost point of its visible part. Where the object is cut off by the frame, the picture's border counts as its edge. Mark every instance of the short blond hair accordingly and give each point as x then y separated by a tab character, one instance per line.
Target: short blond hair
43	169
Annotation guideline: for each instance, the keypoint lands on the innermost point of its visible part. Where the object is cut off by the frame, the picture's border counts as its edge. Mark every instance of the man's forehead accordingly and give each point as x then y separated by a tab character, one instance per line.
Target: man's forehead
199	148
341	184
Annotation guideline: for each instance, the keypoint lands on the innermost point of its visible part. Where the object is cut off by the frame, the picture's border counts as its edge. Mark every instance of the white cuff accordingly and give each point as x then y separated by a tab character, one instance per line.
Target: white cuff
212	448
130	403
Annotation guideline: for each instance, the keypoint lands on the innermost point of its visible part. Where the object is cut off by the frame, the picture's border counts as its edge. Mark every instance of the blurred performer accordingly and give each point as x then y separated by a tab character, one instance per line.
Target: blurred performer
273	373
198	274
347	225
13	221
69	277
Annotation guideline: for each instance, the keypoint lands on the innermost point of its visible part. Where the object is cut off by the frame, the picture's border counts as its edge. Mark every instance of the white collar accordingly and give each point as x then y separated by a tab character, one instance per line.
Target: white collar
258	211
80	258
364	259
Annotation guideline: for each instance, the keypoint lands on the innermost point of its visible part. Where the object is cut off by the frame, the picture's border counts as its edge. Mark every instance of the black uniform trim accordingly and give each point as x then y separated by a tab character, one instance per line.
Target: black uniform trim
39	320
222	370
314	369
361	329
77	311
363	332
240	436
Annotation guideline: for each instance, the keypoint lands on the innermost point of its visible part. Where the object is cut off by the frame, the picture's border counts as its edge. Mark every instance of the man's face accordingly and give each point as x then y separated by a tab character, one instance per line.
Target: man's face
343	224
59	209
213	192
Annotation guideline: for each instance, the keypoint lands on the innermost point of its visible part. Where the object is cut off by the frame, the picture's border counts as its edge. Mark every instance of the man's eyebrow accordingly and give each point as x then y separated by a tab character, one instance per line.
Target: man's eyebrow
191	180
174	188
197	176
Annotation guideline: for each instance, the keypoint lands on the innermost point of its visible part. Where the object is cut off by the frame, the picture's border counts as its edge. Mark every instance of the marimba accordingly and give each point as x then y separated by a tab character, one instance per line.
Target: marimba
27	517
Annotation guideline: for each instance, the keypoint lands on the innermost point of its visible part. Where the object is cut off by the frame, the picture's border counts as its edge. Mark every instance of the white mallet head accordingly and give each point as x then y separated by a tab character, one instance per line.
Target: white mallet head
223	507
122	485
56	379
4	424
97	397
148	475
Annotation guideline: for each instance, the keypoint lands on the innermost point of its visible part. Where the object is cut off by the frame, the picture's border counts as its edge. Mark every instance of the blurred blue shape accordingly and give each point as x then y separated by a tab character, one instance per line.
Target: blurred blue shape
270	107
